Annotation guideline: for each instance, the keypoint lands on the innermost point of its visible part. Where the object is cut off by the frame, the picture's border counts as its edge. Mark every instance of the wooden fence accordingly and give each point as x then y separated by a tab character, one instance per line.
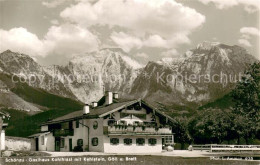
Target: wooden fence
225	148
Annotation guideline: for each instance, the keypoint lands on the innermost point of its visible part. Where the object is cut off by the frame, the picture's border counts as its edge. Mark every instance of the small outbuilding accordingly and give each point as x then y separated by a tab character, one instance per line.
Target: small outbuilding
3	116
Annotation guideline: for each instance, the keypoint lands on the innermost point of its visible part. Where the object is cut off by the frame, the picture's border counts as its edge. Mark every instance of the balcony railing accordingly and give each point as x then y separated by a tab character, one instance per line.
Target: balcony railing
141	130
63	132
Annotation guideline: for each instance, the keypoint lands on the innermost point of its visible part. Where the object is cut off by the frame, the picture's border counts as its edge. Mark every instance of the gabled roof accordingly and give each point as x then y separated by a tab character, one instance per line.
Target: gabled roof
97	112
102	111
159	112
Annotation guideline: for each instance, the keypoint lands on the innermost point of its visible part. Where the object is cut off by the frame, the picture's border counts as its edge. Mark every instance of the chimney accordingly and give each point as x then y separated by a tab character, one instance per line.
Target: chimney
94	104
109	98
116	95
86	109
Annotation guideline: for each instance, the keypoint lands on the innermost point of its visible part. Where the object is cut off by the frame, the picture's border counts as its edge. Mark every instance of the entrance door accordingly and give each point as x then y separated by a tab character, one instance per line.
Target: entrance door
37	144
70	125
163	143
57	144
70	144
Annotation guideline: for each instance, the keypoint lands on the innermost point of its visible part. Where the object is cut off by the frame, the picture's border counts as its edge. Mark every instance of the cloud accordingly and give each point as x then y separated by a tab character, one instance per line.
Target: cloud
246	34
66	39
249	5
152	23
133	63
250	31
128	41
52	3
132	24
20	40
221	4
142	55
70	39
244	42
171	53
125	41
156	41
54	22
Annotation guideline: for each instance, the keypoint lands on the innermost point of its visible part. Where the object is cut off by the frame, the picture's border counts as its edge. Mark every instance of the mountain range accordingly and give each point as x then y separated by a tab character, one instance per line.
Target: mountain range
202	75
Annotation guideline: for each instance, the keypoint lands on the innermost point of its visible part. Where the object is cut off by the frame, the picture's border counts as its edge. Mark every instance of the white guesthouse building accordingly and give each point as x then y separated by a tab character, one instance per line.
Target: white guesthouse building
110	125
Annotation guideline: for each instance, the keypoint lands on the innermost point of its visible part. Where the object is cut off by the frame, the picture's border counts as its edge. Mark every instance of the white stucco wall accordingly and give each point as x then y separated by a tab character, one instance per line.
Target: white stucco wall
122	148
66	145
98	133
44	128
17	144
48	143
79	133
2	140
82	133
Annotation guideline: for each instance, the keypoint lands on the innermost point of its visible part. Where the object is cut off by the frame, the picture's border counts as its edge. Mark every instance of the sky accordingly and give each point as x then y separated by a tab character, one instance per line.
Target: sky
54	31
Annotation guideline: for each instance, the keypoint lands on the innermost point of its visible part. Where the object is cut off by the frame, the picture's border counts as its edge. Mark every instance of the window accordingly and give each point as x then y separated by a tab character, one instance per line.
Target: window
122	122
95	124
65	125
42	139
128	141
152	141
114	141
62	142
80	142
141	116
137	107
168	139
130	107
77	123
110	122
140	141
94	141
122	114
136	122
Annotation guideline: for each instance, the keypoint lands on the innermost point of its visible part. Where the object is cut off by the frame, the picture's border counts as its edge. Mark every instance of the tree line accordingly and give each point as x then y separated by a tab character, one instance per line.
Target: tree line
215	126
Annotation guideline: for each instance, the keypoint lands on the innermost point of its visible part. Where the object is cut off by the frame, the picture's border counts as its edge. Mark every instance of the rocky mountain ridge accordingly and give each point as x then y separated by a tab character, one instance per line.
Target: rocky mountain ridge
167	81
207	73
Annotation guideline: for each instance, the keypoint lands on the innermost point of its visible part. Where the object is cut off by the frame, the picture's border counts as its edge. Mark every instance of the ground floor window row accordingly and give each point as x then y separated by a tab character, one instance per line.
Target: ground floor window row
114	141
129	141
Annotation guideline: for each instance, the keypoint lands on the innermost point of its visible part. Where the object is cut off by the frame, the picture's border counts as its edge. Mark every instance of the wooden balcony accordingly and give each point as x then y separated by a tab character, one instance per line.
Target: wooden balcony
63	132
135	130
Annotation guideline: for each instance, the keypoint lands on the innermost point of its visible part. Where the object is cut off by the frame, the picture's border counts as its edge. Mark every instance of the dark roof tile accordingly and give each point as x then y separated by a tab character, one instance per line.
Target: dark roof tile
94	112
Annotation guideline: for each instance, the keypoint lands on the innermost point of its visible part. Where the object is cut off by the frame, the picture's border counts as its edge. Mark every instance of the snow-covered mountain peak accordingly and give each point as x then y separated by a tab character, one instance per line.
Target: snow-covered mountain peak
170	61
106	56
8	54
206	45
